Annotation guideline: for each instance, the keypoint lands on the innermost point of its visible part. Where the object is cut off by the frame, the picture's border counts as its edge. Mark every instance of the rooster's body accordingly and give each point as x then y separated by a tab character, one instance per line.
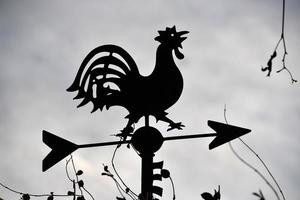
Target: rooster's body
108	76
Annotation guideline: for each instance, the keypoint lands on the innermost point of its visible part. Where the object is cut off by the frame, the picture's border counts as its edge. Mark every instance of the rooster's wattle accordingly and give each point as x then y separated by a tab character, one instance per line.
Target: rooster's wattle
108	76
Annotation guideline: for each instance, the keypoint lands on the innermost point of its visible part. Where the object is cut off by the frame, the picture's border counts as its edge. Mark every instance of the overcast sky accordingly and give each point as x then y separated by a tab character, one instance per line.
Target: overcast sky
42	44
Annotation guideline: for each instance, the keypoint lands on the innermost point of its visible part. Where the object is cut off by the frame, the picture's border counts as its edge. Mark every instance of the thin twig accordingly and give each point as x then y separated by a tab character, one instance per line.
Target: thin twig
52	194
274	54
67	172
88	193
252	167
74	189
265	166
77	179
33	195
282	38
75	172
116	172
173	188
119	187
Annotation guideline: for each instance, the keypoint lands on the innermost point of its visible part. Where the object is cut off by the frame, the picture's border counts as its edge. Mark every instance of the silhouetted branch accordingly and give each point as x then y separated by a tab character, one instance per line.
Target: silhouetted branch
80	183
274	54
109	174
119	187
166	174
265	166
75	172
88	193
173	188
67	172
253	168
116	172
122	188
26	195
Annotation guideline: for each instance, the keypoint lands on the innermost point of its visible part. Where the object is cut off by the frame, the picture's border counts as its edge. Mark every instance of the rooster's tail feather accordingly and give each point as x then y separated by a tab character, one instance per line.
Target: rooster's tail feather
101	76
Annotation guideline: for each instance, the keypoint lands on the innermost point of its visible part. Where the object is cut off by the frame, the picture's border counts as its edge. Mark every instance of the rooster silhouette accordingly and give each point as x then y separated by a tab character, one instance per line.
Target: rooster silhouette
108	76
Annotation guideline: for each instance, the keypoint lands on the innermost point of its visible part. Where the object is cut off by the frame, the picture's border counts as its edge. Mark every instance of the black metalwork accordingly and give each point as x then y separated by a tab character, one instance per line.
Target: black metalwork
140	141
108	76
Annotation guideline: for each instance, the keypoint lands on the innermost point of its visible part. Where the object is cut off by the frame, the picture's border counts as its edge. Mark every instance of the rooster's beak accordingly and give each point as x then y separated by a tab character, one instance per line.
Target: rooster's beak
181	33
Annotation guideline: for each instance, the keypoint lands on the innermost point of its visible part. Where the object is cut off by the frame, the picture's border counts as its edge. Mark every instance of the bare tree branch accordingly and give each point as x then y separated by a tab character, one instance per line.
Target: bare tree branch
274	54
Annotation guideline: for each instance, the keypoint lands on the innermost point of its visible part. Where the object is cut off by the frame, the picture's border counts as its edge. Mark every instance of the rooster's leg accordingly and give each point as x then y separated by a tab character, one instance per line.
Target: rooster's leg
172	124
129	128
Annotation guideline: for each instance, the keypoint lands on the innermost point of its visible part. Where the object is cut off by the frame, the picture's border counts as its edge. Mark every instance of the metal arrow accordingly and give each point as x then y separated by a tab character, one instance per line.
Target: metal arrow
62	147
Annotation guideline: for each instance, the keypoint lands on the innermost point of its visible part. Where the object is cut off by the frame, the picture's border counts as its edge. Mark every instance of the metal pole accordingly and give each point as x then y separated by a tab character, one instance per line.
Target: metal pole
147	174
147	140
147	170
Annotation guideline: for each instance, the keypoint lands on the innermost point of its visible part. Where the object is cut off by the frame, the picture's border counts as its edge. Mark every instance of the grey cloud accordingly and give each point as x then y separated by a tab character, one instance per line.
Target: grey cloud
43	43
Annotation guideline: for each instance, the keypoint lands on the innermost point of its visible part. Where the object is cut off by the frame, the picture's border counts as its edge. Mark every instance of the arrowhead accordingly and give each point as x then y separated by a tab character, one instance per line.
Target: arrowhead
60	149
225	133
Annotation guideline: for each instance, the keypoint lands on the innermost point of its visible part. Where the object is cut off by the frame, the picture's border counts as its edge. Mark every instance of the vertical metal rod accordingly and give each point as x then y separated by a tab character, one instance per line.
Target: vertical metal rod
147	120
147	174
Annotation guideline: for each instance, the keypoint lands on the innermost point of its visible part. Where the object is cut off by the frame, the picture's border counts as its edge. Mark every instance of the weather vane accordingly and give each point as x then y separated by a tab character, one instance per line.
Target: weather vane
108	76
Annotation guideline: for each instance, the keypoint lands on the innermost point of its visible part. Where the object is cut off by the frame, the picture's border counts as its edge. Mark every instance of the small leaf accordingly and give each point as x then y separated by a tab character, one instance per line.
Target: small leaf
127	190
121	198
70	193
80	183
255	194
107	174
207	196
25	197
50	197
165	173
260	195
106	168
79	172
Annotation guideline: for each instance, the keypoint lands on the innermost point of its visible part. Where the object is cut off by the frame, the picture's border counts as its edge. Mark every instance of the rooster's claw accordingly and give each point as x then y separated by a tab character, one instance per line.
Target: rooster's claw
125	132
178	126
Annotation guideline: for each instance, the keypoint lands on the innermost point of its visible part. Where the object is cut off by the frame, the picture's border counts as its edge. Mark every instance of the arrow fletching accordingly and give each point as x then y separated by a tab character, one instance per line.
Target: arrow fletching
60	149
225	133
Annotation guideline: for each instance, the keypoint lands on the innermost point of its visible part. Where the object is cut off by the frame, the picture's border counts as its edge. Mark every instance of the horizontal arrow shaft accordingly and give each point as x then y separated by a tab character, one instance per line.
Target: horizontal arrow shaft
103	144
62	147
129	141
190	136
